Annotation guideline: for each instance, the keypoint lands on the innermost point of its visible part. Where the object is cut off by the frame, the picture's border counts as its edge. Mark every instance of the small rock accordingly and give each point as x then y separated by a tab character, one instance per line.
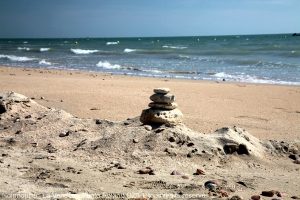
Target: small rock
27	116
293	156
148	127
270	193
223	193
162	98
64	134
189	155
161	90
135	140
297	161
42	98
185	177
255	197
94	108
211	185
279	194
190	144
176	173
33	144
147	170
172	139
18	132
166	106
199	172
295	197
236	197
98	121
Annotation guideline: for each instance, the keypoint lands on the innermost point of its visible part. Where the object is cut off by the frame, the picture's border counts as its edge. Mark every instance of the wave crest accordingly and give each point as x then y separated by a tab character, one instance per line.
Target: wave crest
24	48
44	49
112	43
108	65
129	50
174	47
83	51
251	79
16	58
44	62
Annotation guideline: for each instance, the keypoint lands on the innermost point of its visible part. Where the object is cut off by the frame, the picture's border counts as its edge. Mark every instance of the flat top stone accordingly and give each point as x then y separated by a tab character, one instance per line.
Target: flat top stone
162	98
161	90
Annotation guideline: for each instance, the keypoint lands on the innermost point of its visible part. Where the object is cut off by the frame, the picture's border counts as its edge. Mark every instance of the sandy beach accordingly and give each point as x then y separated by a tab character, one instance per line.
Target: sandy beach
78	135
266	111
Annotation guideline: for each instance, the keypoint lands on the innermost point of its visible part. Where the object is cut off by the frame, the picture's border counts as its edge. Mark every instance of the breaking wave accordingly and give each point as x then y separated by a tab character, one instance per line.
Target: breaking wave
173	47
44	49
24	48
44	62
16	58
83	51
112	43
129	50
251	79
108	65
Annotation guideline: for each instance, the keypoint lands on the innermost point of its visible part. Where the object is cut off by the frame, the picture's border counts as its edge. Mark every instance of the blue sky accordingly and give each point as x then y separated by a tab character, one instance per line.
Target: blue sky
129	18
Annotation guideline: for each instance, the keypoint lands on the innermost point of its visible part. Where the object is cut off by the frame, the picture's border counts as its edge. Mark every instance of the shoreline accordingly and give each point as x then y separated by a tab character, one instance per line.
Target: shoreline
266	111
150	76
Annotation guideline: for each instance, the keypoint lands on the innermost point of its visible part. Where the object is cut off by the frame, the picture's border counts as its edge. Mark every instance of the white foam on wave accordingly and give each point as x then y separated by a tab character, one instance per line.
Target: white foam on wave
108	65
44	49
251	79
173	47
129	50
83	51
16	58
112	43
156	71
184	56
44	62
24	48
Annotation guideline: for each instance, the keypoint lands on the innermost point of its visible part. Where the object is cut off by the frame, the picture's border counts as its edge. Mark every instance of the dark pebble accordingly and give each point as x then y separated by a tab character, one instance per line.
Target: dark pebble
255	197
270	193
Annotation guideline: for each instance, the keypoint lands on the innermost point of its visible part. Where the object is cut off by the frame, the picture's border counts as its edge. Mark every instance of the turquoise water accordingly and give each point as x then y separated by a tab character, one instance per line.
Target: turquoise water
273	59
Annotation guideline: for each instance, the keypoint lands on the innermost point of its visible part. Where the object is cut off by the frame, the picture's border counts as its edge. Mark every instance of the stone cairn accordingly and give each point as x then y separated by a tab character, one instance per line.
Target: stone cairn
163	109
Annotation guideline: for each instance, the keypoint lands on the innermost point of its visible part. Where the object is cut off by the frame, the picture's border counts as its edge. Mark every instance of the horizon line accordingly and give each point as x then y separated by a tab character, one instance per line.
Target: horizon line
143	36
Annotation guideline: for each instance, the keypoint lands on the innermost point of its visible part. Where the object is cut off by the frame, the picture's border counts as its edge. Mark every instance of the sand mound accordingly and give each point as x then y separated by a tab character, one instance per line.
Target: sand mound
48	149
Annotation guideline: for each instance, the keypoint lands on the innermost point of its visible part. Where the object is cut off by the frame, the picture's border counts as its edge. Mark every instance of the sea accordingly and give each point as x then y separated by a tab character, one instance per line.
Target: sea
266	59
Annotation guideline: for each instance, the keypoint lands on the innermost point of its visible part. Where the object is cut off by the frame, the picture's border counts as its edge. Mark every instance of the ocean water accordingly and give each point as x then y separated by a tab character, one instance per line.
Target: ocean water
270	59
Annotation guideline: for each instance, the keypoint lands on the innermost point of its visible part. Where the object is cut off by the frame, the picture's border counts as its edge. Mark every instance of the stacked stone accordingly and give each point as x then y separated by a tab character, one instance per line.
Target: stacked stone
163	109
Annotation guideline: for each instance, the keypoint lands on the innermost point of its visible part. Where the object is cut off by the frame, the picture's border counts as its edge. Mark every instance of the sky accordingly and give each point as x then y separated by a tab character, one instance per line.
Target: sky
144	18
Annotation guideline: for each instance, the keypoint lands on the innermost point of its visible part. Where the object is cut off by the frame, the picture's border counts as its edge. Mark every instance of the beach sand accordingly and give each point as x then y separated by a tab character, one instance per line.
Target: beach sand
77	154
266	111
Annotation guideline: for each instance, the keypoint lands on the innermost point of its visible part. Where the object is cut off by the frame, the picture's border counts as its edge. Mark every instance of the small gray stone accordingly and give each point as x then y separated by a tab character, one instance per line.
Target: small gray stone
176	173
161	90
135	140
162	98
148	127
166	106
